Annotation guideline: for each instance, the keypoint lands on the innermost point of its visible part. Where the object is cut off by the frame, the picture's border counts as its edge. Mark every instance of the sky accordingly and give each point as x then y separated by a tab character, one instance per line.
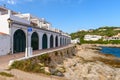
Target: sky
71	15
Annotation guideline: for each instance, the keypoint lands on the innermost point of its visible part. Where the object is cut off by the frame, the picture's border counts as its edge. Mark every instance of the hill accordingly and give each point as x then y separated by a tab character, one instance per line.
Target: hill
102	31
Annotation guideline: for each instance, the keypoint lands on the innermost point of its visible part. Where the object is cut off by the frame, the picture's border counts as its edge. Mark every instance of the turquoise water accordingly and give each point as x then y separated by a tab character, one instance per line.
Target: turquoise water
111	50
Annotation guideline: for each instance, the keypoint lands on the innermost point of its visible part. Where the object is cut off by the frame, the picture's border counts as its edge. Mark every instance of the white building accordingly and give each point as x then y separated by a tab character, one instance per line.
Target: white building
25	31
115	37
92	37
75	41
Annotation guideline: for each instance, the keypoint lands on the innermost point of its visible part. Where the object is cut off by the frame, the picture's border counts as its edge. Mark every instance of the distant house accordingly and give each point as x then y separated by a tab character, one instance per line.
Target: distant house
83	30
117	29
115	37
102	29
92	37
90	30
75	41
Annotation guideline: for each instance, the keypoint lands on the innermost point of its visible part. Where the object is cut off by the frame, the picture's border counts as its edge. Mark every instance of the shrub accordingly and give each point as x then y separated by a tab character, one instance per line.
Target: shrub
32	64
6	74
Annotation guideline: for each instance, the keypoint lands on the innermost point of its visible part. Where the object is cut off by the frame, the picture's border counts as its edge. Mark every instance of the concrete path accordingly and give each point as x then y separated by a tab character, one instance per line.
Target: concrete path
4	60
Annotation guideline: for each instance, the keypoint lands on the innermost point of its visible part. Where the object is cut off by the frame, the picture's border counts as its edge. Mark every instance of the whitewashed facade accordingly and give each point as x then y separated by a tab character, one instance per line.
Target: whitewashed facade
115	37
28	31
75	41
92	37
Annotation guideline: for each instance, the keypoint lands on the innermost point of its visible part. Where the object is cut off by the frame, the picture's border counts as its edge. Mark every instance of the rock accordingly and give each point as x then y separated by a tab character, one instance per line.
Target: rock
42	64
47	70
52	70
83	67
61	69
59	74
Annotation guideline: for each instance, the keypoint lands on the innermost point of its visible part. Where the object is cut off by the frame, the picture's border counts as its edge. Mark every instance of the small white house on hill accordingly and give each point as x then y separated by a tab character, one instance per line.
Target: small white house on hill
115	37
75	41
92	37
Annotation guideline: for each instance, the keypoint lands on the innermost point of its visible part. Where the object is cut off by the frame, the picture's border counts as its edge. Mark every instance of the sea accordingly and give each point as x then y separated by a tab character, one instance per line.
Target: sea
111	50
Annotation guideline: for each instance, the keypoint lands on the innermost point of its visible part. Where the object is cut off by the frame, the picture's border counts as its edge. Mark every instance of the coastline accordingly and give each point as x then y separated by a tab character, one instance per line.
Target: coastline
108	45
90	64
97	48
105	45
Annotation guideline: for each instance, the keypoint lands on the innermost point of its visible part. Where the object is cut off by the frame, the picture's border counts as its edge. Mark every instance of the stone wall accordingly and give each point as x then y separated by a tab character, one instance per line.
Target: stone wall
50	63
59	56
57	60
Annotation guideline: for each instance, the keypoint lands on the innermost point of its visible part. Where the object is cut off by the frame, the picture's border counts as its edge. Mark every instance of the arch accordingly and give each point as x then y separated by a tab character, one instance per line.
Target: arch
35	41
56	41
60	41
63	41
44	41
67	41
51	41
19	41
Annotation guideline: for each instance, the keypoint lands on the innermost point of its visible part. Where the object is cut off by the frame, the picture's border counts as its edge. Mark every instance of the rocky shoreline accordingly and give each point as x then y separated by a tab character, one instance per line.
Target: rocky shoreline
108	45
89	64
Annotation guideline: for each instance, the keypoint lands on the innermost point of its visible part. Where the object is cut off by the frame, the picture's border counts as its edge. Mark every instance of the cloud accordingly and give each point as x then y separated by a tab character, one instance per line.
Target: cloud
13	2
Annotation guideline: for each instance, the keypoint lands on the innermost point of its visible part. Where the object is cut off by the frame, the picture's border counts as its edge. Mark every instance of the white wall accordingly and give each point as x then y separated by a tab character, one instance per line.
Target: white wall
92	37
4	44
19	19
4	24
77	40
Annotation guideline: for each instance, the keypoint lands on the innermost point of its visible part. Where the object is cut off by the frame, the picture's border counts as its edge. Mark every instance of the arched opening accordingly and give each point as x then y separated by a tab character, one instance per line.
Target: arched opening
65	41
19	40
56	41
60	41
44	41
51	41
35	41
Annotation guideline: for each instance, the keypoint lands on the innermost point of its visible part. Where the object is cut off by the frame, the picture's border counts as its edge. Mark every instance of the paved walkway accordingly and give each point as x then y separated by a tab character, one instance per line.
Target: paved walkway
4	60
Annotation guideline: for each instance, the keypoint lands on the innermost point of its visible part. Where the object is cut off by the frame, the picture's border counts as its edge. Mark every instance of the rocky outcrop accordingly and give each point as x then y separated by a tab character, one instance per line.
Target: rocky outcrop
79	70
83	66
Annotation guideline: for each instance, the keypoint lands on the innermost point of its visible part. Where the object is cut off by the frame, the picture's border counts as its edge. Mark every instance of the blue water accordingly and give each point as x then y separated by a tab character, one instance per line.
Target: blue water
111	50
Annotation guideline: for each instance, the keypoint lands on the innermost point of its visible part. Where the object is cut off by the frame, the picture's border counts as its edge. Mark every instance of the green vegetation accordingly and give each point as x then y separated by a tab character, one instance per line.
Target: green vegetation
6	74
102	31
36	64
101	42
